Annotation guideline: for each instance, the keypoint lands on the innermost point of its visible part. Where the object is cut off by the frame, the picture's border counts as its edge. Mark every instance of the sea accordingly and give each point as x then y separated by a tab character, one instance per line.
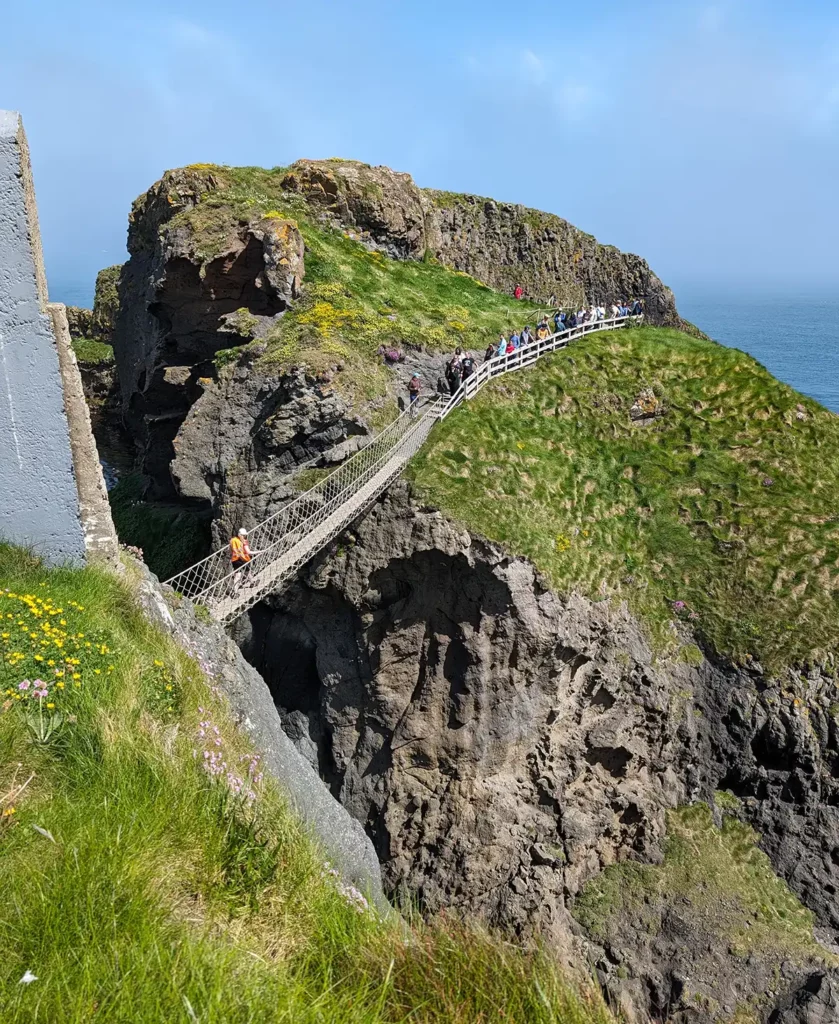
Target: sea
796	338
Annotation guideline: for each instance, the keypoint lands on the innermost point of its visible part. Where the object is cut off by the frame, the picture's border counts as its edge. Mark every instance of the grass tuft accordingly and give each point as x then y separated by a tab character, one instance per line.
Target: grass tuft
93	353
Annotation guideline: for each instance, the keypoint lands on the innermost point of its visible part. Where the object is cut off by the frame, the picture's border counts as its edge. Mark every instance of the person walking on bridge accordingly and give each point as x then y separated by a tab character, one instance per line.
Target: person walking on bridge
240	554
454	373
414	388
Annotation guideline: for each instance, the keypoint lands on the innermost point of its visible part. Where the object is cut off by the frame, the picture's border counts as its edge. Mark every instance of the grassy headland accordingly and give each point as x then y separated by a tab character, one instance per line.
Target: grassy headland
139	886
723	511
354	299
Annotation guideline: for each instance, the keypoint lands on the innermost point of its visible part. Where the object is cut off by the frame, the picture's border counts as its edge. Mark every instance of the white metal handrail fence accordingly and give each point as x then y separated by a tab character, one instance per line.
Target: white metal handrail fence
285	541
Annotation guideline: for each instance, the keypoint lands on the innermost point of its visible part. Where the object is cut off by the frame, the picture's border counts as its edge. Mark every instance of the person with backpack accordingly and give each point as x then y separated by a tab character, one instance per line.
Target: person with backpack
518	293
558	324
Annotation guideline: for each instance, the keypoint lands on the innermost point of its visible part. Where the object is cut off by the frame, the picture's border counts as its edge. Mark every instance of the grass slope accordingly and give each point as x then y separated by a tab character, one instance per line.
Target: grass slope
137	887
354	299
728	504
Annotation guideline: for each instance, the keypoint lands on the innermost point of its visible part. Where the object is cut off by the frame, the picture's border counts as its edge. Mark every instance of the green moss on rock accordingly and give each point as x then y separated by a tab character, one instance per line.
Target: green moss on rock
716	876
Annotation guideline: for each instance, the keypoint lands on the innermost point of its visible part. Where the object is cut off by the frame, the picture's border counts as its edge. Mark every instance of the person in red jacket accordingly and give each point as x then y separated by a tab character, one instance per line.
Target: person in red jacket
518	293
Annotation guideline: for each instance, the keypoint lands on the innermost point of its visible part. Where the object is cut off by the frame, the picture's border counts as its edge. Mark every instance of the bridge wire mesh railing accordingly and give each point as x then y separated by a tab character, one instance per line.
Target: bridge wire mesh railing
212	579
286	540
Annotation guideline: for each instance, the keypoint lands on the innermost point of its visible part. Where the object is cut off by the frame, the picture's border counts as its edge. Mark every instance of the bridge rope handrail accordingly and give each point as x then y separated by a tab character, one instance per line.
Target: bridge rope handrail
287	539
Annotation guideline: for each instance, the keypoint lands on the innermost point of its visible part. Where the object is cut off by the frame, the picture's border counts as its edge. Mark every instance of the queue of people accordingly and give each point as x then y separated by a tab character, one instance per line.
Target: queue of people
462	364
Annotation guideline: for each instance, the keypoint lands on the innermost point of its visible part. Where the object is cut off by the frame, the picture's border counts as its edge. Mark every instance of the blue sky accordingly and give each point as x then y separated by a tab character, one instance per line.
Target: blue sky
704	136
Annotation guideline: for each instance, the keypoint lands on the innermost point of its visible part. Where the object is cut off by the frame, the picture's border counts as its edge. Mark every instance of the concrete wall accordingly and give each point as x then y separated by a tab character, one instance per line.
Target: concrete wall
40	504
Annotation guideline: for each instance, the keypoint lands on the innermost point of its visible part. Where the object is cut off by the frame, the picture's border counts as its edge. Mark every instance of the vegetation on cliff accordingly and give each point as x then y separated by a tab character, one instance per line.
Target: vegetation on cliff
149	873
171	537
93	353
354	297
715	885
719	873
92	330
717	505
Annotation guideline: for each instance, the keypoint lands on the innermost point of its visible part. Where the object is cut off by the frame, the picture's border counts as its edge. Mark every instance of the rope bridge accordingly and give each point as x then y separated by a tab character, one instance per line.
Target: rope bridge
285	541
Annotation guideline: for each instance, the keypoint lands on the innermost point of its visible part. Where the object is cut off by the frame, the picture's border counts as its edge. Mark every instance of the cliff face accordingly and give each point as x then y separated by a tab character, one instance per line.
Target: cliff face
217	263
97	324
503	745
247	434
176	304
501	244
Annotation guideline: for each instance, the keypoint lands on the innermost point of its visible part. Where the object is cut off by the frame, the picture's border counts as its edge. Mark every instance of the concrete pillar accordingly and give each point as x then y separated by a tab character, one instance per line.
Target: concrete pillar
42	424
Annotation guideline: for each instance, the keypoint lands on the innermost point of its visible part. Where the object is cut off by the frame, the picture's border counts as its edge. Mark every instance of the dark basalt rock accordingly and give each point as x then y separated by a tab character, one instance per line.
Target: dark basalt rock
502	745
816	1002
500	244
176	304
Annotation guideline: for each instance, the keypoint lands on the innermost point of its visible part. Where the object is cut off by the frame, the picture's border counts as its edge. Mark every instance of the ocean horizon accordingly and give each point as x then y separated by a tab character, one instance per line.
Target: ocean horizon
796	339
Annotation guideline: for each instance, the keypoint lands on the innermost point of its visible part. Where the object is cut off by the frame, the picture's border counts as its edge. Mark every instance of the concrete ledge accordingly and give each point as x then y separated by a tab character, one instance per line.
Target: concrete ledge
100	536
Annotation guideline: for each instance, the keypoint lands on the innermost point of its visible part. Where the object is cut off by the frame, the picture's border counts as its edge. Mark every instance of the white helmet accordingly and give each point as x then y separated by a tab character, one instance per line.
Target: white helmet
243	533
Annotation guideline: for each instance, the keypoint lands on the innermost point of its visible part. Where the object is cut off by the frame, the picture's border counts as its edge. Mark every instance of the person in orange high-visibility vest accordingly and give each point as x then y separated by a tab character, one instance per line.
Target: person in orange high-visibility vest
240	551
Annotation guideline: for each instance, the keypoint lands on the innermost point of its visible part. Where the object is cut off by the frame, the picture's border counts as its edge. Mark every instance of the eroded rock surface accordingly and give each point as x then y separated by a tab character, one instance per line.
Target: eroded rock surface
176	300
816	1002
501	244
502	745
248	432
